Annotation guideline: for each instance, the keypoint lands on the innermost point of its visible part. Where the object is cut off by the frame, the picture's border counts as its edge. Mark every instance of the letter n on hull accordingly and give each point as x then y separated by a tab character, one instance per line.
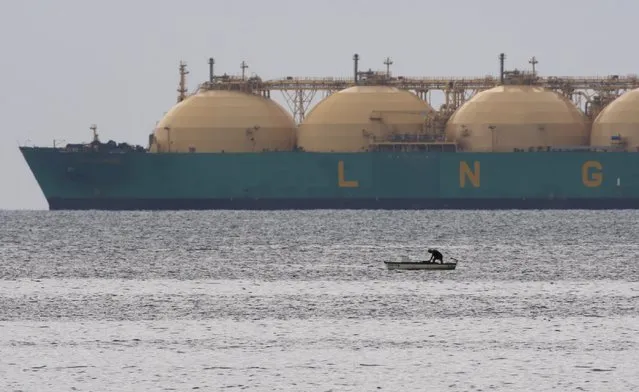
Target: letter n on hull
466	173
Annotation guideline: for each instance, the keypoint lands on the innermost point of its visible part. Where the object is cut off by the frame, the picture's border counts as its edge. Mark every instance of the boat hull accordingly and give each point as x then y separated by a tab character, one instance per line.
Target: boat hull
119	204
304	180
416	265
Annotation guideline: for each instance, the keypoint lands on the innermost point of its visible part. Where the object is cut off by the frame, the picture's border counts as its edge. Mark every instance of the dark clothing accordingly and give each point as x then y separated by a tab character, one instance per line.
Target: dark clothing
436	255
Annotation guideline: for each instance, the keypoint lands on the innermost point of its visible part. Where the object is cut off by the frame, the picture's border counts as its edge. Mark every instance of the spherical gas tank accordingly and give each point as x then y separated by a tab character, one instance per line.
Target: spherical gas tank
618	123
510	118
225	121
349	120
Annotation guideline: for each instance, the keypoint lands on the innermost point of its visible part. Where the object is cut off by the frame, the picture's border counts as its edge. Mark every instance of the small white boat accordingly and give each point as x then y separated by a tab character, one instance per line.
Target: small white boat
407	264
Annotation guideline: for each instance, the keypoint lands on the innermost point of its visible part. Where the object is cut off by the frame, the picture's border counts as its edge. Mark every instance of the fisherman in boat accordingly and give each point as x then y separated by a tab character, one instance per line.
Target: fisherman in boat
435	255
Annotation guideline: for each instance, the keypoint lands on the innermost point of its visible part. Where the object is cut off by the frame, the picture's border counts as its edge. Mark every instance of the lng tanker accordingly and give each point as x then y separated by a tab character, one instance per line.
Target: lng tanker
374	143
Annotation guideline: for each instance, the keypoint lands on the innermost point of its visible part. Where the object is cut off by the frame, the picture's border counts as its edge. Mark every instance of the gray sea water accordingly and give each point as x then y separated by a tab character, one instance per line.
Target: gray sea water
301	301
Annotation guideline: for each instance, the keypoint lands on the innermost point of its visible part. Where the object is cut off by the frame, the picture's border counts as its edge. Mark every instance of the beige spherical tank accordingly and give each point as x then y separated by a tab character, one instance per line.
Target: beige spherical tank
349	120
225	121
619	119
506	118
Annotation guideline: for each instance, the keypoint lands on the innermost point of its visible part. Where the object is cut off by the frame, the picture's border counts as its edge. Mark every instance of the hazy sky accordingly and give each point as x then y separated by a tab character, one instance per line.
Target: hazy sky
67	64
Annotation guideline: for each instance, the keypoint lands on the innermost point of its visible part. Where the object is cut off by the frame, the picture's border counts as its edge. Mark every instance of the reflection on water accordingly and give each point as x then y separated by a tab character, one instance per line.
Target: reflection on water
302	301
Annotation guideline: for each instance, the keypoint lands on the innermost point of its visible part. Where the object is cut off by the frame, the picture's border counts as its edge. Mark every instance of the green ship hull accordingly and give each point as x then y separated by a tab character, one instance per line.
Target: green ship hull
301	180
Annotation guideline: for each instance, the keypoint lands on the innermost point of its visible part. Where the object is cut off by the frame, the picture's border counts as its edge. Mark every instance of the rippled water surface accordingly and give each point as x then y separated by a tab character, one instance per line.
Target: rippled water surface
301	301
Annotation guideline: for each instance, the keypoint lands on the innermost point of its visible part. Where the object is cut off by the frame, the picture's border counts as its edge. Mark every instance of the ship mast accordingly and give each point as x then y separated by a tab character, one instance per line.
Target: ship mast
94	129
182	87
502	59
388	62
534	62
211	64
244	66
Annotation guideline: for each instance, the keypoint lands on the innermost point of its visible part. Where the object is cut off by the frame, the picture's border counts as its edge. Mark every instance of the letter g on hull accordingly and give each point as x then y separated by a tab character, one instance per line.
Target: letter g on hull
591	174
